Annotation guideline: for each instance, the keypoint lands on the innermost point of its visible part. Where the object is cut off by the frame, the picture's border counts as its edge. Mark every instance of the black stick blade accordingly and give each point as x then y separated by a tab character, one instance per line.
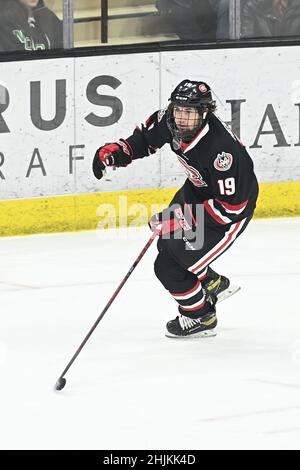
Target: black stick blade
60	383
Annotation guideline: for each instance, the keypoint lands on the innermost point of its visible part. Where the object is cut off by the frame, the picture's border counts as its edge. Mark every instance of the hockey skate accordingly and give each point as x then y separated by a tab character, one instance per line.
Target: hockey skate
185	327
219	285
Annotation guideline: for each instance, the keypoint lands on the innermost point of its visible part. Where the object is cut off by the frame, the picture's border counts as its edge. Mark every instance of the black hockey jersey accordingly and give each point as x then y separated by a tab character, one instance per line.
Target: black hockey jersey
219	169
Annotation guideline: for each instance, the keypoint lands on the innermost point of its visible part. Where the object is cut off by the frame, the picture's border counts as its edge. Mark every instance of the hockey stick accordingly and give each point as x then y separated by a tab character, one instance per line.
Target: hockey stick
61	382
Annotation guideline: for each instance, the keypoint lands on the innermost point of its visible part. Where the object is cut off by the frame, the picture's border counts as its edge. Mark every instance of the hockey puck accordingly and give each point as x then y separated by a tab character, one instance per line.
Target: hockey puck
60	384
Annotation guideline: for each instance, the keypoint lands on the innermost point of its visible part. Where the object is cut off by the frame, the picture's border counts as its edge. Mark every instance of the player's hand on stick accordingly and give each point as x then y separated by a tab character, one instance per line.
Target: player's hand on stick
155	223
161	224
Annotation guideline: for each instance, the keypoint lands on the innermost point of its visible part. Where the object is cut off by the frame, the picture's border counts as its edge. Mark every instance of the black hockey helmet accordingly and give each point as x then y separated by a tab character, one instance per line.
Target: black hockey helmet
190	94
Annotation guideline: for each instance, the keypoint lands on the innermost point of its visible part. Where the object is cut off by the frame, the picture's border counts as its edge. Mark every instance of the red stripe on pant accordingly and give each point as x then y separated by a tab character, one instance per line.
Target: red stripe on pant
192	309
183	294
215	253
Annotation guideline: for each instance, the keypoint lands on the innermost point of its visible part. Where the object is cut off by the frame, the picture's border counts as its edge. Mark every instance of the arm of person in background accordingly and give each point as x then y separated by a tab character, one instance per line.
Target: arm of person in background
51	25
55	31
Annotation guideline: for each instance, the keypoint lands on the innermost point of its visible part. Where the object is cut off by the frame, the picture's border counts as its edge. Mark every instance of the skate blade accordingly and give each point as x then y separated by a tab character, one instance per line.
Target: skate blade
201	334
228	293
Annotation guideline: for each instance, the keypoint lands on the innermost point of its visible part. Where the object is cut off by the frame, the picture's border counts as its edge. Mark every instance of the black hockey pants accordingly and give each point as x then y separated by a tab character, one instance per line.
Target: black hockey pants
181	271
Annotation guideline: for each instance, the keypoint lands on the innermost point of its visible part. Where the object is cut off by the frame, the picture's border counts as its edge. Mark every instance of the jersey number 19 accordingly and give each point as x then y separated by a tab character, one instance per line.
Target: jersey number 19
227	186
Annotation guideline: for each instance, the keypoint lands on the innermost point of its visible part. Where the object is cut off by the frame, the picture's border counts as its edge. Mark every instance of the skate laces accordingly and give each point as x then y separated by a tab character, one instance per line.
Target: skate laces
187	322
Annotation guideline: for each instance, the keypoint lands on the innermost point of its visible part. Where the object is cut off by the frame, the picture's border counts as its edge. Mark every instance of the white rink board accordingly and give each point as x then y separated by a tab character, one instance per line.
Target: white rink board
142	84
18	145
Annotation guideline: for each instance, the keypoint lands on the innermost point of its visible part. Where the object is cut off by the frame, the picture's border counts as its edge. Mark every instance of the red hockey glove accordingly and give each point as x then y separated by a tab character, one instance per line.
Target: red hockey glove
116	154
160	225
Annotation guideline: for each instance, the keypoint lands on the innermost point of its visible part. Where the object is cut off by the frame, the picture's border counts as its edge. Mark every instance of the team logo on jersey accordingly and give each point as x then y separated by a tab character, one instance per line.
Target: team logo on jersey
223	161
193	175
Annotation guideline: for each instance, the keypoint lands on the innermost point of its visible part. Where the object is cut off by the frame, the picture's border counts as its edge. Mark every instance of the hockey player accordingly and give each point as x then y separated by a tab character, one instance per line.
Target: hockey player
220	178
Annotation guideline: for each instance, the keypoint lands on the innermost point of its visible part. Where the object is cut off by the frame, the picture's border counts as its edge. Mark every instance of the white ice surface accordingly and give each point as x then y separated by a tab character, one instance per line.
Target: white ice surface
131	387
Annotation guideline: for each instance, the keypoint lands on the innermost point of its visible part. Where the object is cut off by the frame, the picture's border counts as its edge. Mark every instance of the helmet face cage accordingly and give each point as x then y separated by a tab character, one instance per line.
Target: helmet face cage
189	94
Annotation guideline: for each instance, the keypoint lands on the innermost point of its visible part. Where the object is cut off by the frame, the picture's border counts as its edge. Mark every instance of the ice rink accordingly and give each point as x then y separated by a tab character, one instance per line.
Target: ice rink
131	387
